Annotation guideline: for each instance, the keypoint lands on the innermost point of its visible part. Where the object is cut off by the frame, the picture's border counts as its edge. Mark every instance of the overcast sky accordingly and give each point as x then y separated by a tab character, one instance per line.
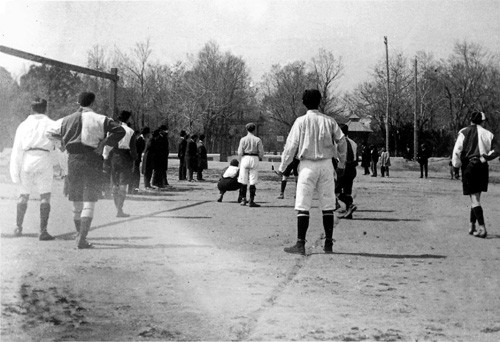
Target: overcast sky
262	32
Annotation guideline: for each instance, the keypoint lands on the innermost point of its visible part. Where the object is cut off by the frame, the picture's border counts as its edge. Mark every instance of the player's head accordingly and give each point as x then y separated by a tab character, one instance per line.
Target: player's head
194	137
250	127
311	98
234	162
39	105
202	136
86	99
145	131
124	116
477	117
164	128
344	128
183	133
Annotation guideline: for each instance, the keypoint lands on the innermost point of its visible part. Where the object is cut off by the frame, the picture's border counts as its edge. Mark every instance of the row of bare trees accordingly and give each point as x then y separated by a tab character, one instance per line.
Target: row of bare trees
212	92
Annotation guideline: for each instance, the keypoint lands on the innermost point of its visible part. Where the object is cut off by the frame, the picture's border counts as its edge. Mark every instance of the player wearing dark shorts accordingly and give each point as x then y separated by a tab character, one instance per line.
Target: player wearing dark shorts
293	167
472	151
84	135
121	160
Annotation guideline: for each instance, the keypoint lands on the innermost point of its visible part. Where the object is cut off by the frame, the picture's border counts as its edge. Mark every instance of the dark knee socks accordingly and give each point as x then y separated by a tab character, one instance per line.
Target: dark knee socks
283	186
302	224
44	216
472	216
21	211
328	222
478	212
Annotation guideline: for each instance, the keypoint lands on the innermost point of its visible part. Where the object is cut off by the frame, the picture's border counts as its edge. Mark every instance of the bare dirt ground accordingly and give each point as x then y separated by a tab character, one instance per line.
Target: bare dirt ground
184	267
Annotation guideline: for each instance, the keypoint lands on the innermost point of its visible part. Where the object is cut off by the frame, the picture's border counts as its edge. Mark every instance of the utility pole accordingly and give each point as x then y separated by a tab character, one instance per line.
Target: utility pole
415	137
387	102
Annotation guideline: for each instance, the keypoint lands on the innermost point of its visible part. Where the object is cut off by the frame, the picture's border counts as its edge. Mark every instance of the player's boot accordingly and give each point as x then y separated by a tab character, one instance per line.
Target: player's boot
328	246
81	238
253	190
481	232
243	194
44	220
298	248
281	196
220	198
348	214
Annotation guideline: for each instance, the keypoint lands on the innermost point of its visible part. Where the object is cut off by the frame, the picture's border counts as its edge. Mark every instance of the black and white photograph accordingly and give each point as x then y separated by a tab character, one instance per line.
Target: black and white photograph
250	170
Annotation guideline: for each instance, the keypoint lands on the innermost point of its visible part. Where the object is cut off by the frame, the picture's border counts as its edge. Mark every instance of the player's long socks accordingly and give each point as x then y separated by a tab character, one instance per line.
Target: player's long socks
478	212
77	212
472	216
302	224
21	211
44	216
283	186
328	222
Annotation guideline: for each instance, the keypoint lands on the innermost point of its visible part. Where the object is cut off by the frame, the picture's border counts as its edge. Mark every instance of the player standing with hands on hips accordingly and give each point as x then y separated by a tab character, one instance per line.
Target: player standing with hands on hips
84	135
312	140
472	151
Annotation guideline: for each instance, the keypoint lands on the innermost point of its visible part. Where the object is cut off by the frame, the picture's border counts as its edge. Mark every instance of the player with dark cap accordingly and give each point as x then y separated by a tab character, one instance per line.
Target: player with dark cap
472	151
251	151
312	140
31	165
121	160
84	135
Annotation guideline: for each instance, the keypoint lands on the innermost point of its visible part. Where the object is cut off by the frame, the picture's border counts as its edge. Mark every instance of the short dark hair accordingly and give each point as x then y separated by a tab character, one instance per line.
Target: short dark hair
250	127
183	133
194	136
163	127
477	117
39	105
311	98
344	128
202	136
124	115
146	130
85	99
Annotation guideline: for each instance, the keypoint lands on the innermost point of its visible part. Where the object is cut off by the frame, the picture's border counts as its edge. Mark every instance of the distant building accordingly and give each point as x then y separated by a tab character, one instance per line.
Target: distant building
358	131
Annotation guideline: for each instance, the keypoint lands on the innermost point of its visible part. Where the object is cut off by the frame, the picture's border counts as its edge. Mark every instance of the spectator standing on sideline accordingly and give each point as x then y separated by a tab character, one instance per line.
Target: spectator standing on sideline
181	154
229	179
202	158
366	159
192	156
346	180
84	135
251	151
423	155
135	176
148	162
121	160
140	145
312	139
161	158
472	151
374	159
31	165
385	162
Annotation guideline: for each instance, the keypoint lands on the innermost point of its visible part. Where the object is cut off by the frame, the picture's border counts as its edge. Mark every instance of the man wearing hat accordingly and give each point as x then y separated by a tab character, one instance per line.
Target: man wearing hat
31	165
121	160
182	155
472	151
251	151
84	135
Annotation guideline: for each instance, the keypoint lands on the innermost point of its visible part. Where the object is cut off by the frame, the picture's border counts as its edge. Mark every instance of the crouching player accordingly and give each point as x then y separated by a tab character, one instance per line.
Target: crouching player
31	165
229	179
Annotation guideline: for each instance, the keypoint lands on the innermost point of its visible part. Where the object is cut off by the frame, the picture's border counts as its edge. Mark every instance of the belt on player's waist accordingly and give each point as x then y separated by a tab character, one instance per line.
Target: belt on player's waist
251	154
37	149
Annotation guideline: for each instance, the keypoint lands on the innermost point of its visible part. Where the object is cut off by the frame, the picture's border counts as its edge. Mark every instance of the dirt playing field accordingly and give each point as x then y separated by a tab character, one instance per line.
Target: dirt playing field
184	267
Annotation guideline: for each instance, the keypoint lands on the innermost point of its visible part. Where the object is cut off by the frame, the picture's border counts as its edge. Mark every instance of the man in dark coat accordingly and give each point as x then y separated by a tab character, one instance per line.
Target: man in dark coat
140	145
202	158
423	156
374	159
182	155
365	159
161	158
148	161
192	156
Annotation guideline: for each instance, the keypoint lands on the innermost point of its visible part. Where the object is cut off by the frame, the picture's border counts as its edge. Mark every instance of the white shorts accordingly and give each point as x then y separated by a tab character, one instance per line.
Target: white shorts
36	173
315	175
248	170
